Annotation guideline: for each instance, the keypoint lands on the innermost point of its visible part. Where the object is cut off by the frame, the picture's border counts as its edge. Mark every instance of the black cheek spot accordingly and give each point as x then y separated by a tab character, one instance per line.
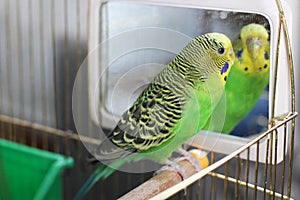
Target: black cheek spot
265	66
225	78
246	69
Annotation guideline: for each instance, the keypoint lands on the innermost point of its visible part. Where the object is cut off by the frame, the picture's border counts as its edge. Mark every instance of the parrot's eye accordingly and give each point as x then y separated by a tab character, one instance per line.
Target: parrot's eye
221	50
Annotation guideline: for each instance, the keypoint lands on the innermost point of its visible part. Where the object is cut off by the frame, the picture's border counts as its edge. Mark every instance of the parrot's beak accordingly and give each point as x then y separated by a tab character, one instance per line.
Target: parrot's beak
231	54
253	45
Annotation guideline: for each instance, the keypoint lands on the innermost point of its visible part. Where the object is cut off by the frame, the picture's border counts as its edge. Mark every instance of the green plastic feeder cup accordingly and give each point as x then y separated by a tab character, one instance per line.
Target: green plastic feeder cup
30	173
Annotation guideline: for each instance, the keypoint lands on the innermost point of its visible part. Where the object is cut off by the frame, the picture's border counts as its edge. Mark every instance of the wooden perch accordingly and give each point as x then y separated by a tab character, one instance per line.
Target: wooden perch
164	180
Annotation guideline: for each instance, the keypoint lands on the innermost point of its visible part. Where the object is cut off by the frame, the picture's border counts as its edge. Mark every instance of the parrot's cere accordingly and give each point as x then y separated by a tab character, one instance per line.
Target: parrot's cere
174	107
248	78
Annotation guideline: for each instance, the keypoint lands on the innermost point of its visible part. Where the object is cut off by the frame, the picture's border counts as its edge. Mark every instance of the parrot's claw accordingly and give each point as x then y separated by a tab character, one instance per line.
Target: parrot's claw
187	156
172	166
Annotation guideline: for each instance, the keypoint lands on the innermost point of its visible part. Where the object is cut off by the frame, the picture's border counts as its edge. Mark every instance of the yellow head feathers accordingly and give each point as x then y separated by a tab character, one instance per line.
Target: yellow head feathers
225	51
252	49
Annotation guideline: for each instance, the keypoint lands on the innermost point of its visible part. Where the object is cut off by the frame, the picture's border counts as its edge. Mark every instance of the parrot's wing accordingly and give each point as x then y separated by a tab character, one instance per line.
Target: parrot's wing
148	123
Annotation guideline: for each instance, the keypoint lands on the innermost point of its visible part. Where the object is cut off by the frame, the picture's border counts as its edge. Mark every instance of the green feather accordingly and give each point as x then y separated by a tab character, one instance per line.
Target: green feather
102	171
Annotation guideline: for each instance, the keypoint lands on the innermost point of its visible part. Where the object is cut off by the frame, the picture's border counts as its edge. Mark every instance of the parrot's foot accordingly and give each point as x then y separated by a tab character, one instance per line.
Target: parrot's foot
187	156
172	166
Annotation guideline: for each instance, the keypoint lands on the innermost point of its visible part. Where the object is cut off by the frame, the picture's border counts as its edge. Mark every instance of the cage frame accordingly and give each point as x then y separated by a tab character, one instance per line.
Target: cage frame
9	123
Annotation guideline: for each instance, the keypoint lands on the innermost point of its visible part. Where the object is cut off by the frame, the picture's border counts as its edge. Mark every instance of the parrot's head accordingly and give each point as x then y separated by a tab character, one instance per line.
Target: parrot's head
210	55
252	48
222	54
254	37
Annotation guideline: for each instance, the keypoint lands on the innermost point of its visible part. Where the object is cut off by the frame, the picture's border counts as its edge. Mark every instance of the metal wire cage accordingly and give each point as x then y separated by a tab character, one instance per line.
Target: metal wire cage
42	48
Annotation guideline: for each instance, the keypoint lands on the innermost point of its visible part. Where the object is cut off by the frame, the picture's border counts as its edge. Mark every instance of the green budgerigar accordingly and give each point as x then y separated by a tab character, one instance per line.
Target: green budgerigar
248	77
172	109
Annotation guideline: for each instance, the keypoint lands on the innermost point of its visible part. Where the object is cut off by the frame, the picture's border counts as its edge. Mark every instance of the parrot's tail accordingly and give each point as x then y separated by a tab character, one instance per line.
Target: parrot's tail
102	171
